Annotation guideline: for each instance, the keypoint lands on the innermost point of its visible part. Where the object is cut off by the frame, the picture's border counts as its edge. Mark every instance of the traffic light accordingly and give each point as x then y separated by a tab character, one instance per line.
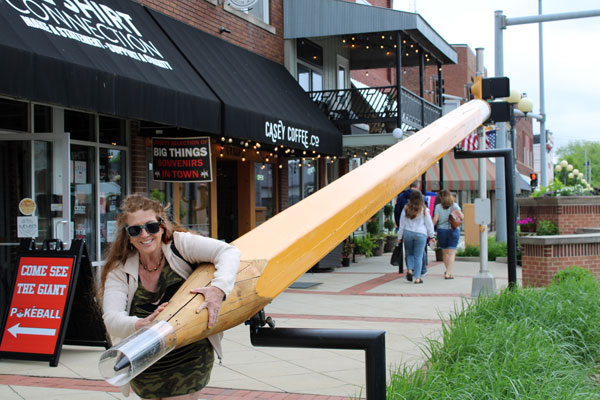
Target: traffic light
533	176
490	88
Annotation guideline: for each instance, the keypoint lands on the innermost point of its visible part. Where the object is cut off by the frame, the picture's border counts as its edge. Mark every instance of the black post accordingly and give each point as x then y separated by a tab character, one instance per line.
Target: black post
399	77
440	101
373	342
507	154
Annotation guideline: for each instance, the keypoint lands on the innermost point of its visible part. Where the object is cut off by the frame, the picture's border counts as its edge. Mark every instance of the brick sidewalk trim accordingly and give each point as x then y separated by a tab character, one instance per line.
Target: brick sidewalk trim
98	385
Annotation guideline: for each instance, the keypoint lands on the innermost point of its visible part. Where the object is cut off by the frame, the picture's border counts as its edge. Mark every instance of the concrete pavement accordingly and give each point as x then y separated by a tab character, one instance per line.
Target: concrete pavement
369	294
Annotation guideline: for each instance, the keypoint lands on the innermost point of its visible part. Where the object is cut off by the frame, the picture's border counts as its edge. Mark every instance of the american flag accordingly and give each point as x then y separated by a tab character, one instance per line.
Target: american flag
472	143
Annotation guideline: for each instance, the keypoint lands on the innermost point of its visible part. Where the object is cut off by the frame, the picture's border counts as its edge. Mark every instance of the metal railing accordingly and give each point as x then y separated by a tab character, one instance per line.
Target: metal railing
376	106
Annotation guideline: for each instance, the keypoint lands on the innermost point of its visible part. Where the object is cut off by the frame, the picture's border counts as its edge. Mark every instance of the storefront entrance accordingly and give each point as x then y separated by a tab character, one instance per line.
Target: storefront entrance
31	169
227	200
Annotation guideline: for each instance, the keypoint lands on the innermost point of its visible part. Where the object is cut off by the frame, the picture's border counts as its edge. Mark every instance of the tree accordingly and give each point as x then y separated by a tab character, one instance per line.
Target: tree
575	153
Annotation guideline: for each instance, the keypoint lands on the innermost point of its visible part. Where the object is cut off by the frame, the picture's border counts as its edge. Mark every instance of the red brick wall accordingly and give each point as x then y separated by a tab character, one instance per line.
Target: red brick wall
542	262
209	17
568	218
139	165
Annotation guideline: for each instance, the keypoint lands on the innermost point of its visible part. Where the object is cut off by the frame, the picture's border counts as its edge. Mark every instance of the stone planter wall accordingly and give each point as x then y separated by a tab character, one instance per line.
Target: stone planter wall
544	256
568	212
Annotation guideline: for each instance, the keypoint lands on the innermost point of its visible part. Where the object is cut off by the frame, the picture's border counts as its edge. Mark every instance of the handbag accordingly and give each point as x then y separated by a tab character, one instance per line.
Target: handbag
455	219
398	258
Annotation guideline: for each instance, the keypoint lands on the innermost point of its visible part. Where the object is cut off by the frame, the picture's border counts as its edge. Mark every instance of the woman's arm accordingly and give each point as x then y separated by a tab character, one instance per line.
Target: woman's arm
401	225
225	257
115	311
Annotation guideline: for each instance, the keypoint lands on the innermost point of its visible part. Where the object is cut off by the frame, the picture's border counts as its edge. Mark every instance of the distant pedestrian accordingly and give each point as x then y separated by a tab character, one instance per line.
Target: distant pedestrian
414	228
401	201
447	237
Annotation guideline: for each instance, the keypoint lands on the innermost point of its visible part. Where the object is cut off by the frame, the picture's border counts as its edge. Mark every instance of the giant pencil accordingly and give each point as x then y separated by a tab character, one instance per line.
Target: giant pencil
278	251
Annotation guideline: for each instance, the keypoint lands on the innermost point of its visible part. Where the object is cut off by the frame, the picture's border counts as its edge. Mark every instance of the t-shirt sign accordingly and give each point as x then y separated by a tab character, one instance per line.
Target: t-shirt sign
38	305
181	160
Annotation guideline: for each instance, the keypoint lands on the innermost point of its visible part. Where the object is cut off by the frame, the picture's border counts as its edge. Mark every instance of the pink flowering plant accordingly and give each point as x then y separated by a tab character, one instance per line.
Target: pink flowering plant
526	224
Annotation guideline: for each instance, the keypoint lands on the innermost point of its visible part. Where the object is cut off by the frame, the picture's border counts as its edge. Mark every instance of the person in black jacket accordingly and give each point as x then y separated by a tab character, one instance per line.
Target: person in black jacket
402	200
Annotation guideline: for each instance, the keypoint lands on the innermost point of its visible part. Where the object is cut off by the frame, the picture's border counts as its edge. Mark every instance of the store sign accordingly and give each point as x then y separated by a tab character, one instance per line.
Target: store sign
277	132
91	23
181	160
38	305
27	227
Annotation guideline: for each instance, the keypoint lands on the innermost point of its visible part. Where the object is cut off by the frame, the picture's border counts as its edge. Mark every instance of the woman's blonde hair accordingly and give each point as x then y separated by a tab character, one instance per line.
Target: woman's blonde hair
416	205
121	248
446	198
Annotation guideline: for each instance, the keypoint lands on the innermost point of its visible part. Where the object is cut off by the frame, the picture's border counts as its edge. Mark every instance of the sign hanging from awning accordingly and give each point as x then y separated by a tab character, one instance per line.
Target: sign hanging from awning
181	159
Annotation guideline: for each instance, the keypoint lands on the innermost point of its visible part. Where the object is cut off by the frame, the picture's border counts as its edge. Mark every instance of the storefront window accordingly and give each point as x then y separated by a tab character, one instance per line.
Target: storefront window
44	194
264	192
13	115
309	179
42	118
80	125
194	207
83	196
302	180
112	131
112	191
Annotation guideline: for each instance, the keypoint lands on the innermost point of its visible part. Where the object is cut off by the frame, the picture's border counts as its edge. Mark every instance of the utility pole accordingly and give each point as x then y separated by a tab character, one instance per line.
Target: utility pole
500	23
483	281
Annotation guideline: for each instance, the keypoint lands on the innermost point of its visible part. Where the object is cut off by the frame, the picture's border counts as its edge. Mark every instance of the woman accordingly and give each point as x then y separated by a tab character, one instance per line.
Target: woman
415	226
140	275
446	236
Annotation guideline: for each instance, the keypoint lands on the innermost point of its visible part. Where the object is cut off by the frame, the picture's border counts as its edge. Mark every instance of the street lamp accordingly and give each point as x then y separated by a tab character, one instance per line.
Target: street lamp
524	106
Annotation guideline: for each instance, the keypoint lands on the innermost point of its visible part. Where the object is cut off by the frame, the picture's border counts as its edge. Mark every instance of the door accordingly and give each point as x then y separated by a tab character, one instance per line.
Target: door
227	200
35	169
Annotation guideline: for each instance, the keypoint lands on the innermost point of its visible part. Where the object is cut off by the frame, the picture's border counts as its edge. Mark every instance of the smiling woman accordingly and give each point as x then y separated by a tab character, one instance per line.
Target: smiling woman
147	263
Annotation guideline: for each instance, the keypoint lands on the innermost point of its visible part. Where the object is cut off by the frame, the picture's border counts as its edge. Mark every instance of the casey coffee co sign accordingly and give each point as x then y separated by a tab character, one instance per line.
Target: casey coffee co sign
91	23
181	160
278	132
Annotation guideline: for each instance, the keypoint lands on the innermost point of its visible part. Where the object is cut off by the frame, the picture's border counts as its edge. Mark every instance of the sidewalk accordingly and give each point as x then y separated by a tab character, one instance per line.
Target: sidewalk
370	294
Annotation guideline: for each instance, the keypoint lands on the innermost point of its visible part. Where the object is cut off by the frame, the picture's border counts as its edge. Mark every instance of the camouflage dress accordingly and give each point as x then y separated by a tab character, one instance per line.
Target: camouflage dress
182	371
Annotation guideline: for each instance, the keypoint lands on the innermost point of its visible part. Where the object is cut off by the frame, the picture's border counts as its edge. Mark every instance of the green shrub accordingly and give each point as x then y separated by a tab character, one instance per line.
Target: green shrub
546	228
364	245
521	344
495	249
470	250
373	226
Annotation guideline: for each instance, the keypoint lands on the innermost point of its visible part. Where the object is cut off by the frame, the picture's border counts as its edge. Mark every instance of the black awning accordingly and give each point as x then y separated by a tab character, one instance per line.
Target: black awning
261	100
108	57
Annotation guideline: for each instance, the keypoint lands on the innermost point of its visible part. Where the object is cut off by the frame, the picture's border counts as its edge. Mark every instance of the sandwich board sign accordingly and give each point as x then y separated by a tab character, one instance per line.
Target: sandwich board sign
42	294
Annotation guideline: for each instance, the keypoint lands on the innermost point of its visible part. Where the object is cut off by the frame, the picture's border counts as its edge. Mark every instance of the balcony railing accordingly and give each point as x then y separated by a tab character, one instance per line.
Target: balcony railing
375	106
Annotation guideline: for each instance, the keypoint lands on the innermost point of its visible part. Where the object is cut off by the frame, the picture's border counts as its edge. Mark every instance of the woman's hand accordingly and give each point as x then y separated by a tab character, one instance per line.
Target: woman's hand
140	323
213	297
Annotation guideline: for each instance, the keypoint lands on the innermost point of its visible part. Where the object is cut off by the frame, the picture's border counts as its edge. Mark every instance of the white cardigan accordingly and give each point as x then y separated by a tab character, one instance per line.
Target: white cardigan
122	282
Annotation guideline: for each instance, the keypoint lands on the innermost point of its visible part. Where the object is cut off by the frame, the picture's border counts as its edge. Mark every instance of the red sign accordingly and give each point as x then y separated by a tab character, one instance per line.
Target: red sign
38	305
181	160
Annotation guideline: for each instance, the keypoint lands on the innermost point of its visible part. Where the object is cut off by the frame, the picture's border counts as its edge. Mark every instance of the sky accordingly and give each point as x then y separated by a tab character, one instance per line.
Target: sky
571	60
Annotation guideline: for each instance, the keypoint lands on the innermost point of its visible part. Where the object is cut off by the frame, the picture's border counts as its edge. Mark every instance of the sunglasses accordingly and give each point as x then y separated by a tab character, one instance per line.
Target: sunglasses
150	227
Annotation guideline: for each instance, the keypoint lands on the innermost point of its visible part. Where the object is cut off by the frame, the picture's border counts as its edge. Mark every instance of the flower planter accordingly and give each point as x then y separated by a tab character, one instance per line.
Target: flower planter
345	262
378	250
439	256
567	212
390	243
